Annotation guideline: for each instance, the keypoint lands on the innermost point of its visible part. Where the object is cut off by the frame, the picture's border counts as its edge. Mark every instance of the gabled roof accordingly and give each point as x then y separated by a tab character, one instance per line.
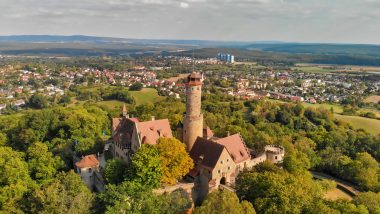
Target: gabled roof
87	161
207	152
235	147
151	131
122	128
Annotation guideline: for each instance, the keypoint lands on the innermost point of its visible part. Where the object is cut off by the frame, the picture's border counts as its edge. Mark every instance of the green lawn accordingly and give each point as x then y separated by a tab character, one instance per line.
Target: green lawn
370	125
146	95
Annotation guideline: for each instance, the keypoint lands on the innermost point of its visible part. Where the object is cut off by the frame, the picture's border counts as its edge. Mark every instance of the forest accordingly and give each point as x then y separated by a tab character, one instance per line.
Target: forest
36	169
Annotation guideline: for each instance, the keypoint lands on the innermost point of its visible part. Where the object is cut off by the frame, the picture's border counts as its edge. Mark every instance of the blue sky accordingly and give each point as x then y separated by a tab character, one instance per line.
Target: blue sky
343	21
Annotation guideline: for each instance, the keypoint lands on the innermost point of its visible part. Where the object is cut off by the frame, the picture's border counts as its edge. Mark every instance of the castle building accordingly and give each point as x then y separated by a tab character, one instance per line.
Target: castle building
193	118
129	134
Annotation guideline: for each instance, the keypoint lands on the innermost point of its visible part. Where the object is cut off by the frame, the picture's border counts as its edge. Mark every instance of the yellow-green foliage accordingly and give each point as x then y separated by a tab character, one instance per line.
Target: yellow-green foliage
175	161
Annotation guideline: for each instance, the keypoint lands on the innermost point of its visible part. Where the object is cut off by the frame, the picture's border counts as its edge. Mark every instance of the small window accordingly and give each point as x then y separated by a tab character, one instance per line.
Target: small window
89	170
219	171
275	157
228	159
229	168
221	162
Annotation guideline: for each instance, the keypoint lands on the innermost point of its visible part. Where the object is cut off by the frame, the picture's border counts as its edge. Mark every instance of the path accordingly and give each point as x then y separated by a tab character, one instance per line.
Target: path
350	188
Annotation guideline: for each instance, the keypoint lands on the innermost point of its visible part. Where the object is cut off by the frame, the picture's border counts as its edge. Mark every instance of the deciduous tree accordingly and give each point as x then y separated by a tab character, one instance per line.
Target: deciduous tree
175	161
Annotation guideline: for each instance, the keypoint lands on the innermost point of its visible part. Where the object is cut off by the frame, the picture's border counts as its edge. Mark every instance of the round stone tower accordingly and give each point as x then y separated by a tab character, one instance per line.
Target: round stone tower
193	118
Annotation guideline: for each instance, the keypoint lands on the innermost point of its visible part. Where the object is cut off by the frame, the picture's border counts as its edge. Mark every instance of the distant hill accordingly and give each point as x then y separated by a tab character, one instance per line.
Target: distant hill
323	49
94	39
242	54
266	51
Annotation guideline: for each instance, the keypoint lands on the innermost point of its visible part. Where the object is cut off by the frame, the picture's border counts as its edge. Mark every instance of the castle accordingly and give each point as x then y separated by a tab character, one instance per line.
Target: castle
217	160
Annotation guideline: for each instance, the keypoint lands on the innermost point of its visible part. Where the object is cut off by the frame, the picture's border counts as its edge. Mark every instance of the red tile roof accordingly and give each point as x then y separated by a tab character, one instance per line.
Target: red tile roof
235	147
87	161
151	131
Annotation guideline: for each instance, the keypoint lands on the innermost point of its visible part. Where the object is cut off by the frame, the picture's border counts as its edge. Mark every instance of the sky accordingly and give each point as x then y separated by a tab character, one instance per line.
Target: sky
328	21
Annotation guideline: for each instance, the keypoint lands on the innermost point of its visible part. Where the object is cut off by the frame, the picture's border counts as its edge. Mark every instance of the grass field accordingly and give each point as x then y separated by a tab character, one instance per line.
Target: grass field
312	69
110	104
372	99
146	95
318	68
370	125
336	194
337	108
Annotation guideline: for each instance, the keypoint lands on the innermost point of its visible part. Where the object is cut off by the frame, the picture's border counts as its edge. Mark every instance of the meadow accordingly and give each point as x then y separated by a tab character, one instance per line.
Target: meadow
146	95
370	125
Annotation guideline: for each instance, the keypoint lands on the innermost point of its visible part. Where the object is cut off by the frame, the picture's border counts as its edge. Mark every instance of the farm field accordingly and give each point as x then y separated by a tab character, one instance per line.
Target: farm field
146	95
370	125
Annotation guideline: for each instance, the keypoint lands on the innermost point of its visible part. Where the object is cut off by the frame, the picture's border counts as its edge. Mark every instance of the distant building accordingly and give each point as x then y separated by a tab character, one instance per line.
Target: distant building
225	57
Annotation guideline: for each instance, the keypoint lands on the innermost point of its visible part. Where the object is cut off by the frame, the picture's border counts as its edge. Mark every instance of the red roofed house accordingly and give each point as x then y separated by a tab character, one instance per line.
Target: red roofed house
87	167
128	134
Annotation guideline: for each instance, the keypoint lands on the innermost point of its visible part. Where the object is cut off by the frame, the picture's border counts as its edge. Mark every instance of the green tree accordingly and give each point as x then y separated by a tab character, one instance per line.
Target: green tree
14	179
279	192
175	161
38	101
42	164
66	194
136	86
146	166
224	202
296	162
365	170
134	197
370	200
115	171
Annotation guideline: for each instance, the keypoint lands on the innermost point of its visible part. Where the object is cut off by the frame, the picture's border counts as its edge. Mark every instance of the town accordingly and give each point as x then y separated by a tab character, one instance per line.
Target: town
241	81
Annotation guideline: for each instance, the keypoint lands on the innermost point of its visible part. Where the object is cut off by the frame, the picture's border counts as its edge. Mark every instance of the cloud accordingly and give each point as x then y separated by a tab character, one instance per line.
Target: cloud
184	5
291	20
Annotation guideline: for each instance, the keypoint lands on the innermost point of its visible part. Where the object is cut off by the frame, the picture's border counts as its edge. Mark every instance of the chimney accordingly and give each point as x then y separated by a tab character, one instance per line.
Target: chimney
153	118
